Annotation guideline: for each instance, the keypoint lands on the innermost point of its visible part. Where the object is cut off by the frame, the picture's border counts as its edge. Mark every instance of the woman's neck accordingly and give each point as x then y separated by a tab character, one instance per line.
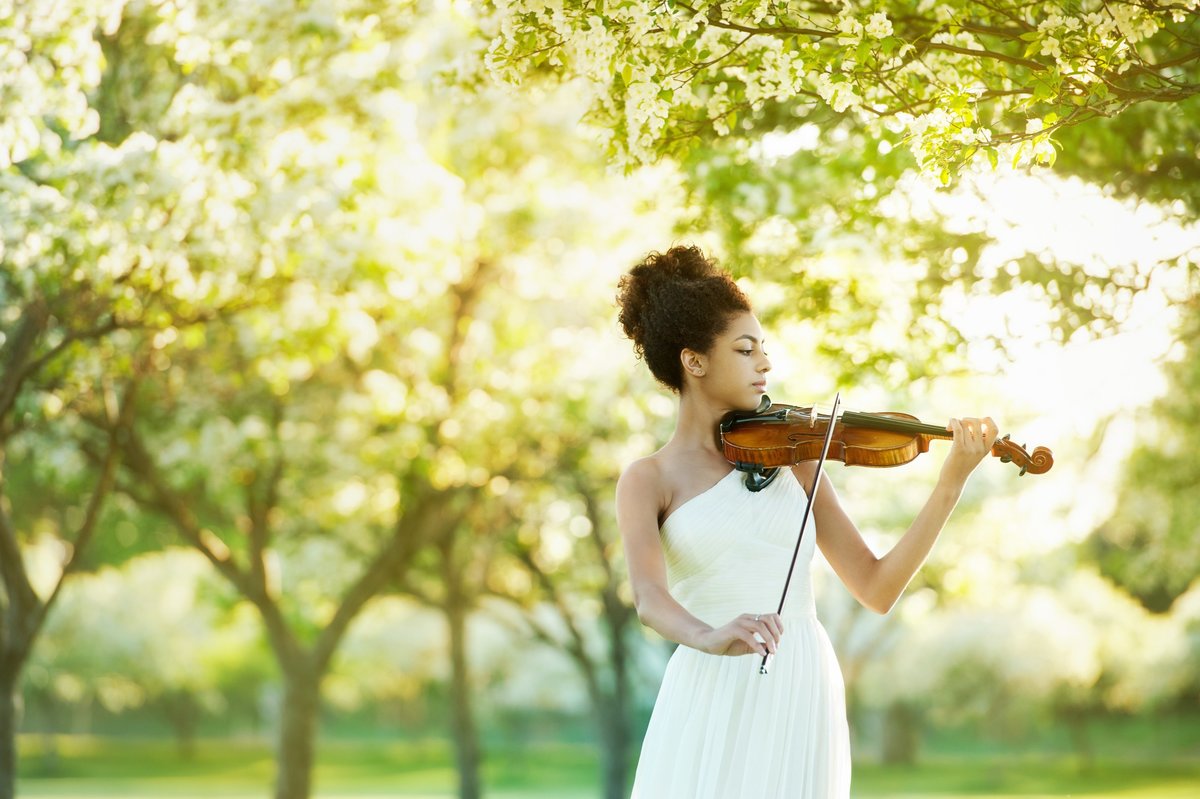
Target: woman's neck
696	425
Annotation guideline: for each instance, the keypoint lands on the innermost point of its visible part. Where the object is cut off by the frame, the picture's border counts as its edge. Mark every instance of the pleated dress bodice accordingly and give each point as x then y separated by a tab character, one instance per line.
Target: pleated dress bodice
728	550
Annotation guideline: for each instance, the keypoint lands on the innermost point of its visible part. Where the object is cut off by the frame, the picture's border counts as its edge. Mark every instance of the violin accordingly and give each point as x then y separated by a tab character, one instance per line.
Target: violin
758	442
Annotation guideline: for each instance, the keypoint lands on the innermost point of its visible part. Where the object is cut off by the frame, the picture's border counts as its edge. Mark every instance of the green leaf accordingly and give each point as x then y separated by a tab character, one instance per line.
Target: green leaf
993	156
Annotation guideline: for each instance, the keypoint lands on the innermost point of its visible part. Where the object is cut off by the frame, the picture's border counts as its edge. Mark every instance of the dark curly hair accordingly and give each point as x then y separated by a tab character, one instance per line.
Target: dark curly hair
675	300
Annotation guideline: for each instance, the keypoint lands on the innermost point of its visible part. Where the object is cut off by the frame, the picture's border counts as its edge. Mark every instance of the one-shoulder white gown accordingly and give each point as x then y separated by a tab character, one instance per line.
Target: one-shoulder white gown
719	729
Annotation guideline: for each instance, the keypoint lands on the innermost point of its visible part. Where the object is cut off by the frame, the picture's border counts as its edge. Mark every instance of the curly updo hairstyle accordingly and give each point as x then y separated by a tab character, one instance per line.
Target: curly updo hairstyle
676	300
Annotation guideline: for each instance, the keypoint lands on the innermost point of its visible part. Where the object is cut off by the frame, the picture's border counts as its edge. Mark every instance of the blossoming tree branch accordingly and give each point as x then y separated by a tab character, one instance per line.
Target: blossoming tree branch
959	80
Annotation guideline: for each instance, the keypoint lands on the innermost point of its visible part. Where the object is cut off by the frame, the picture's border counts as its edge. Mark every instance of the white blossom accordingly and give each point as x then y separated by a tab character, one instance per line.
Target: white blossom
1050	23
840	96
850	27
879	26
1050	47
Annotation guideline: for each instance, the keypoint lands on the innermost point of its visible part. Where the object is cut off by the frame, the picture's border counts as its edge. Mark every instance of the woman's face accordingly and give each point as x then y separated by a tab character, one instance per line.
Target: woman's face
734	370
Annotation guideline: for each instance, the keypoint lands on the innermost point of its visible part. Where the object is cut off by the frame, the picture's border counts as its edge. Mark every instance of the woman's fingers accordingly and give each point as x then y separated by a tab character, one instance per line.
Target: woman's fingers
766	630
967	431
774	624
980	434
973	440
991	432
956	428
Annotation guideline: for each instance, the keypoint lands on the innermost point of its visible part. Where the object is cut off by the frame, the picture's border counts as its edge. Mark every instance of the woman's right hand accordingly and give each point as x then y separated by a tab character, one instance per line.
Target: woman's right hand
738	636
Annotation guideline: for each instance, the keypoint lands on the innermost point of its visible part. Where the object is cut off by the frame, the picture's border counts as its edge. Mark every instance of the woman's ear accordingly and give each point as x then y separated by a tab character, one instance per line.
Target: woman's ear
693	362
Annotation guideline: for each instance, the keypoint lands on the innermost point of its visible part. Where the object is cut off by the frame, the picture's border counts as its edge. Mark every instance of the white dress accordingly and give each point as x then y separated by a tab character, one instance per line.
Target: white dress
719	729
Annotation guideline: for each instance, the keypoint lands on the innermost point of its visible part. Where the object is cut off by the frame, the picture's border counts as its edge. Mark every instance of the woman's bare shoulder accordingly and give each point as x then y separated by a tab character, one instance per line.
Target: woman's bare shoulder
641	495
643	476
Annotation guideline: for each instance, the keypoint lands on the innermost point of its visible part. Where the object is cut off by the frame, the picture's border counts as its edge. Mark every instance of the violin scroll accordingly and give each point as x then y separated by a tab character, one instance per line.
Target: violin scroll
1038	462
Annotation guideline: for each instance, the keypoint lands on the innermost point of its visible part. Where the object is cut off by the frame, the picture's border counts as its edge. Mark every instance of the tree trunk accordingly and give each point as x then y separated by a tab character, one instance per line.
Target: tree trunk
615	723
297	731
466	736
614	757
47	711
1081	740
9	673
183	712
901	734
50	762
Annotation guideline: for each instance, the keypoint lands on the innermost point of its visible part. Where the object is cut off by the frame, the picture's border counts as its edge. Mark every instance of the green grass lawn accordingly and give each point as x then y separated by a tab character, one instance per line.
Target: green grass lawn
96	767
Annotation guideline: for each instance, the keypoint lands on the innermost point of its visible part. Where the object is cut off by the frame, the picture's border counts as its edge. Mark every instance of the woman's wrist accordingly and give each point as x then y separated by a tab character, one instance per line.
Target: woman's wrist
698	637
952	479
949	487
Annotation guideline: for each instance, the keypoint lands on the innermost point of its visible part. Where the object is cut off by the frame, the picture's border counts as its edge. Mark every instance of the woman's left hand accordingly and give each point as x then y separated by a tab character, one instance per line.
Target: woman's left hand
973	439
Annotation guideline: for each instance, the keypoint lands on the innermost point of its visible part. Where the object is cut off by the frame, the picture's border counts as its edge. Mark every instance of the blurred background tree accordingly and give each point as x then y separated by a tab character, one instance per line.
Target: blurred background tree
1149	546
177	639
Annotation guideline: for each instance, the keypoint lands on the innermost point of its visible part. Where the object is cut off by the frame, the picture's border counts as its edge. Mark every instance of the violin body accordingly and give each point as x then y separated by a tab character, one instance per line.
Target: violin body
783	435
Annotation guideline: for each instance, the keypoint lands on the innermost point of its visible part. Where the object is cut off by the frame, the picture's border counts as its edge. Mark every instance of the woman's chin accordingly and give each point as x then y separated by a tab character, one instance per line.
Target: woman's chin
751	402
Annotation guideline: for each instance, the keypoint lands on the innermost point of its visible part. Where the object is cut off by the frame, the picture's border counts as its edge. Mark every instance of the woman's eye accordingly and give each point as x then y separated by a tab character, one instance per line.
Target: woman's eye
745	352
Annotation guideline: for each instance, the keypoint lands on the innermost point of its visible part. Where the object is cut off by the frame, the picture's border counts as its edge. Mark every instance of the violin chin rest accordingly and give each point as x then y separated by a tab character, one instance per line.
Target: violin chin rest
758	480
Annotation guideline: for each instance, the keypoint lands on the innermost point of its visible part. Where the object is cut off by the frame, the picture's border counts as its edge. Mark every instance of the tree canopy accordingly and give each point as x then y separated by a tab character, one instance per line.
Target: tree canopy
959	81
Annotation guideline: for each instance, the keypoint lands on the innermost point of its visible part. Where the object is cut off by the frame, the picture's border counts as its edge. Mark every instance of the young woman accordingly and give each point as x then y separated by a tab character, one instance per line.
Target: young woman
707	559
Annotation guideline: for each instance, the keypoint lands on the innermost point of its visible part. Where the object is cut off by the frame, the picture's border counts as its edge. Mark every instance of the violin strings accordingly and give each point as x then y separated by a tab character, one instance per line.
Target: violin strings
895	425
874	421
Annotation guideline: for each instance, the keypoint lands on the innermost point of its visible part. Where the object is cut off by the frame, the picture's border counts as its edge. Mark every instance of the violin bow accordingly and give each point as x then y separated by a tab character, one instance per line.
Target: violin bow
812	495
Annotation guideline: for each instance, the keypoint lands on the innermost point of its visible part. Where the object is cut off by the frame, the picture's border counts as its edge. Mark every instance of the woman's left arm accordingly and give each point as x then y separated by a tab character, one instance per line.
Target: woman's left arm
877	582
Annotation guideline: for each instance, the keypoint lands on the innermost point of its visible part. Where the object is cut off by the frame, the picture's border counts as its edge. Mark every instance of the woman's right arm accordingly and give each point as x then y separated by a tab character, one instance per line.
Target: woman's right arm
639	493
